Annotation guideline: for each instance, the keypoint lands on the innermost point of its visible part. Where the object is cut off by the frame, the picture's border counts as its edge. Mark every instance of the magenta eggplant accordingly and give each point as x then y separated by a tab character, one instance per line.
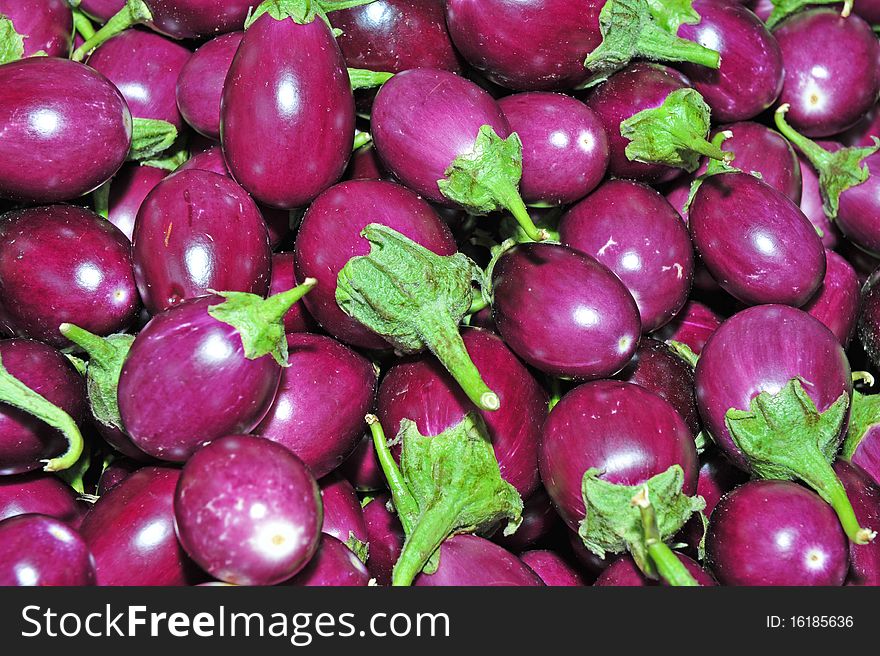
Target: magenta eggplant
539	519
196	232
858	206
470	560
248	511
50	110
330	235
693	326
116	472
624	572
127	192
38	493
343	515
836	303
362	467
564	312
37	550
45	26
812	207
386	538
631	229
552	569
864	559
324	394
333	564
287	100
717	477
200	83
297	319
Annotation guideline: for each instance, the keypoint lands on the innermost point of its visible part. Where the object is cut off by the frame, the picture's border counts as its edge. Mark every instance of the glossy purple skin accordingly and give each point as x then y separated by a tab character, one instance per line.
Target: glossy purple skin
101	9
421	390
837	302
195	232
127	192
200	83
864	494
631	229
692	326
656	368
116	472
248	511
423	119
539	518
863	132
624	572
564	312
828	88
334	565
186	19
287	101
717	477
297	319
551	568
37	550
318	412
172	398
537	45
144	66
866	454
51	110
45	25
362	467
24	439
366	165
811	205
62	263
40	493
750	76
473	561
760	350
385	537
565	148
636	88
758	148
343	516
859	206
755	242
330	235
130	532
776	533
622	429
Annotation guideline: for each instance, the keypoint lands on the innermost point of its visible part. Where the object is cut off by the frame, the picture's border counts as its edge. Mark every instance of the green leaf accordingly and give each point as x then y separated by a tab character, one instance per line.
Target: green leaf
864	416
672	14
361	78
260	321
784	8
150	137
358	548
673	134
415	299
612	524
11	42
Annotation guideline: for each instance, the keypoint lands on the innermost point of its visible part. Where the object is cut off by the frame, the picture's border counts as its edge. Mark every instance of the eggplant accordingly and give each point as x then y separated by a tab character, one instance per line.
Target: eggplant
693	326
539	520
128	190
552	569
200	83
385	535
37	550
333	565
836	303
297	319
40	27
38	493
474	561
864	559
623	572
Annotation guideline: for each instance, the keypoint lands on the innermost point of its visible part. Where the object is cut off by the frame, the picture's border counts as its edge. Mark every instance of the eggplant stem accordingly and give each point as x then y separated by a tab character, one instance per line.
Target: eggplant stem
133	13
404	502
817	155
669	567
508	196
92	344
430	531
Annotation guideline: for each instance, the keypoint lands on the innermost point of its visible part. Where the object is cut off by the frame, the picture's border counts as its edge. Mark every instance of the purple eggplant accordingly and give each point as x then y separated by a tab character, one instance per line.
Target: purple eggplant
287	100
39	493
812	205
130	532
693	326
343	515
333	565
37	550
102	10
64	264
386	538
116	472
864	559
755	242
775	533
539	519
631	229
623	572
862	444
200	370
197	232
366	165
564	312
474	561
552	569
128	190
248	511
362	467
565	148
200	83
67	121
832	70
144	67
869	318
297	319
330	235
41	27
318	412
836	304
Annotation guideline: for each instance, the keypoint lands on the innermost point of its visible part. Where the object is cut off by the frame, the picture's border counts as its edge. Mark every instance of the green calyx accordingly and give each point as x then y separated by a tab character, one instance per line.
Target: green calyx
864	415
785	8
361	78
684	352
11	42
358	548
15	393
135	12
260	321
301	11
784	437
446	484
631	30
838	170
661	558
106	357
613	524
672	14
714	167
150	137
172	157
673	134
415	299
486	179
547	225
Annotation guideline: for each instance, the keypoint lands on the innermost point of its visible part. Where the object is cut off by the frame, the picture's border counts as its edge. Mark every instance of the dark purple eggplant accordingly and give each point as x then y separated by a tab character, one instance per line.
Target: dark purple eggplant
366	165
385	535
869	318
836	304
39	493
197	232
623	572
864	559
40	27
539	519
693	326
324	394
248	511
333	565
565	148
287	101
37	550
116	472
552	568
631	229
128	190
564	312
775	533
343	515
67	122
474	561
297	319
200	83
362	467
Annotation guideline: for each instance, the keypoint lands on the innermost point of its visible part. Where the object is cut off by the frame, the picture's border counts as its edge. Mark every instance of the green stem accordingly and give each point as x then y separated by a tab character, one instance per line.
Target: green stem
361	139
362	78
405	504
96	346
669	567
133	13
275	307
342	4
658	44
15	393
83	25
865	377
817	155
479	302
701	145
555	392
431	530
101	199
508	196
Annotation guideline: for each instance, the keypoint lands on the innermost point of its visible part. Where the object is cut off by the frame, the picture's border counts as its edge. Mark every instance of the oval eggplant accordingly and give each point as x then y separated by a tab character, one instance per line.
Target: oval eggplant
45	26
552	569
36	550
864	559
200	83
38	493
836	303
386	538
624	572
343	515
334	565
473	561
693	326
127	192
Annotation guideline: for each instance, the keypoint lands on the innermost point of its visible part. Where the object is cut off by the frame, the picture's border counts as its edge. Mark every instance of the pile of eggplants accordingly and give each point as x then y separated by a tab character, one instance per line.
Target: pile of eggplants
439	293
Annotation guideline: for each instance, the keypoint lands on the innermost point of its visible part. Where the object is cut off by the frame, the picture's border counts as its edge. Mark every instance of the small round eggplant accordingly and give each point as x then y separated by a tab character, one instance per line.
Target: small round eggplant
624	572
343	515
37	550
386	538
200	83
248	511
128	190
45	26
812	206
836	303
333	565
693	326
474	561
40	493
